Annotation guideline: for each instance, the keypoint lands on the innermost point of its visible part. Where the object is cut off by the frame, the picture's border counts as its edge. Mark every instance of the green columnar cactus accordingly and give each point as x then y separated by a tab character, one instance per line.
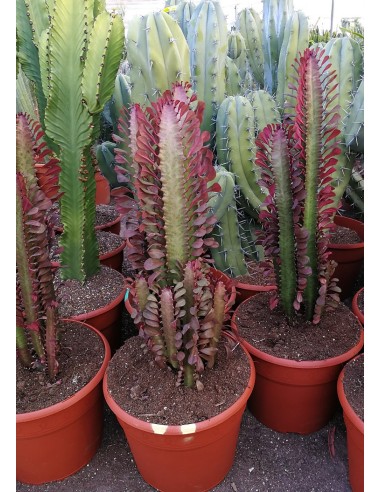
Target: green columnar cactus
354	124
295	41
26	101
104	153
158	55
79	54
36	305
347	60
265	109
32	20
297	161
236	44
235	142
121	99
178	307
229	256
275	16
233	80
249	24
183	15
207	40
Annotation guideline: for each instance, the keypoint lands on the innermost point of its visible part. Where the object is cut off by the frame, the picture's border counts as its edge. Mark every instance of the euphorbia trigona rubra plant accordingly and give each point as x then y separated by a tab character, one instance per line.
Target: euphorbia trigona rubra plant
178	307
36	305
297	160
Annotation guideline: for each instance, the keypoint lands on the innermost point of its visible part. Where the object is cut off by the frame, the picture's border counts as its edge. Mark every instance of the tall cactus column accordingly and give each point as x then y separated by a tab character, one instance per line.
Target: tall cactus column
79	53
158	56
207	39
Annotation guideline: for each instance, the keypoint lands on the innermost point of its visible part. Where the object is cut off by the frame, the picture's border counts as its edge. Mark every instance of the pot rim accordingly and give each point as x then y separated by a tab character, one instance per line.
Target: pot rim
355	306
60	406
185	429
350	413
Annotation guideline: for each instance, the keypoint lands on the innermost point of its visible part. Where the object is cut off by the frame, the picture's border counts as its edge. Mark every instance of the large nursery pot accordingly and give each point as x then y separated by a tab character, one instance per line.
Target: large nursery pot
355	434
349	257
57	441
294	396
193	457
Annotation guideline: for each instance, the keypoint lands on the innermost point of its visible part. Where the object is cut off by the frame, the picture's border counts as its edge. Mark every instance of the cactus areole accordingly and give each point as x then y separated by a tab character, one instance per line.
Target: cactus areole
177	305
297	161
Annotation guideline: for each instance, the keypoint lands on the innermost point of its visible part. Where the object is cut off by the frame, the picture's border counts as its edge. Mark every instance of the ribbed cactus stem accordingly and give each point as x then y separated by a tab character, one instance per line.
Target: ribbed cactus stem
249	25
295	41
280	158
158	56
92	48
218	314
207	40
169	325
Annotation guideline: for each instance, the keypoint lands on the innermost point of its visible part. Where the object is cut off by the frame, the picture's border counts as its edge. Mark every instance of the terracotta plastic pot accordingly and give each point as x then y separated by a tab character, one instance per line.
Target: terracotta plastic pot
355	438
349	257
355	306
112	259
217	274
293	396
102	193
193	457
107	320
57	441
245	291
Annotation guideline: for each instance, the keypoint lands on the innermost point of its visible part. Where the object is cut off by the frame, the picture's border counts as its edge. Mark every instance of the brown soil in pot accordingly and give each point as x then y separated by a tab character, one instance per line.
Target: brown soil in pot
296	339
255	275
103	214
344	235
149	392
353	383
107	242
75	298
81	354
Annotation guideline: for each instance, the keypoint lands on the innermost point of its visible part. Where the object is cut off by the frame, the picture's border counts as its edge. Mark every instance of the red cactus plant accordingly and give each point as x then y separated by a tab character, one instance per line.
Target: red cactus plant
179	308
36	305
297	160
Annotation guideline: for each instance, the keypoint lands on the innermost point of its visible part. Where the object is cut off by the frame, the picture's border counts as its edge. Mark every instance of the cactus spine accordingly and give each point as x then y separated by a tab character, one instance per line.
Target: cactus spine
158	55
207	39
